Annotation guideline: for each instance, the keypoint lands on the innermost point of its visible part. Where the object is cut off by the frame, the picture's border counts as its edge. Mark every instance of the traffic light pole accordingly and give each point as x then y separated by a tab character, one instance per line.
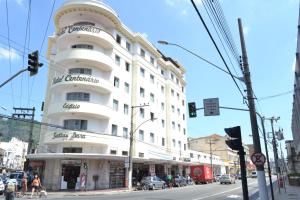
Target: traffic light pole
243	174
263	192
14	76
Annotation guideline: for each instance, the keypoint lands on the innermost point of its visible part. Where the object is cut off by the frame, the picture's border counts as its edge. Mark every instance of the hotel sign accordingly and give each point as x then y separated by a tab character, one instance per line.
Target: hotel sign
71	106
75	28
70	78
68	135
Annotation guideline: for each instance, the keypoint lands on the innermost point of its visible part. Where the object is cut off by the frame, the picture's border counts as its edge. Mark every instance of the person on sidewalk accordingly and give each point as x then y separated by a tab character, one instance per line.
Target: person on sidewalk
36	185
24	185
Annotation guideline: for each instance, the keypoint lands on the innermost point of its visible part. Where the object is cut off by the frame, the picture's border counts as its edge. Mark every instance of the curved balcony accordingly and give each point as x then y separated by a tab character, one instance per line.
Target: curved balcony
92	57
82	81
81	108
89	33
68	136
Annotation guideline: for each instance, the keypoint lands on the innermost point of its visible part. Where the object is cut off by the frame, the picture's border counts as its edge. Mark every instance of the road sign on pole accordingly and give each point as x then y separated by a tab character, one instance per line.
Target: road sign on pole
211	107
258	159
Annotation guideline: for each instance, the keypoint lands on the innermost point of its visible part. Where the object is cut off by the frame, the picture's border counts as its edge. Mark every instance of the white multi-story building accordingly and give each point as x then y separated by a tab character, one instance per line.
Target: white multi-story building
13	154
99	73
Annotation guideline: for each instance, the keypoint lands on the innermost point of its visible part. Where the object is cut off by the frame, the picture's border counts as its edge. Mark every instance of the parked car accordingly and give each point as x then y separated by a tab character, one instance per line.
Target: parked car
239	176
151	183
18	176
180	181
2	186
227	178
217	177
254	174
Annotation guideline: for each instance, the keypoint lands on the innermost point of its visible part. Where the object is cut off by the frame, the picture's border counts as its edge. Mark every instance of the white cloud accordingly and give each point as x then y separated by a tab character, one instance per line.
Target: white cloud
294	65
145	35
4	54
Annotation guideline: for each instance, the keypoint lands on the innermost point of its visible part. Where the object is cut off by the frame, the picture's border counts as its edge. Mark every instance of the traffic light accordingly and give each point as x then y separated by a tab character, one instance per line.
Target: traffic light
152	116
33	63
235	139
192	109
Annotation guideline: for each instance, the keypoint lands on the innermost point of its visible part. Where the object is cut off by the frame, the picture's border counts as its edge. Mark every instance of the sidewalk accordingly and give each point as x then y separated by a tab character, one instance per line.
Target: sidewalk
292	192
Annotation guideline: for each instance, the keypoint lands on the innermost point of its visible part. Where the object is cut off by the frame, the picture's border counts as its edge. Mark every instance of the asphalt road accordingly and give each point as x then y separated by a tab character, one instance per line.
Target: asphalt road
213	191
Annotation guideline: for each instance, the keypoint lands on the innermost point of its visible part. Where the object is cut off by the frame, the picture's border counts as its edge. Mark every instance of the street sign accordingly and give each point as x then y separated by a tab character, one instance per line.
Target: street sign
258	159
211	107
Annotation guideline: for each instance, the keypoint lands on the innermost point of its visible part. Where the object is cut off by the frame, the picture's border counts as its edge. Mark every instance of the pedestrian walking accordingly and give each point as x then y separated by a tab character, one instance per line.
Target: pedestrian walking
24	184
36	185
10	190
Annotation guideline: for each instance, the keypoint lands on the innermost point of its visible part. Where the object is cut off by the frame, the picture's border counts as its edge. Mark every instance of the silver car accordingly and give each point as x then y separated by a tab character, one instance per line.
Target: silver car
151	183
226	178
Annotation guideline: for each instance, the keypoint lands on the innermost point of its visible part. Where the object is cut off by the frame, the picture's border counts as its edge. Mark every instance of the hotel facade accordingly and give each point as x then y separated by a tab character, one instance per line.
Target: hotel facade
101	78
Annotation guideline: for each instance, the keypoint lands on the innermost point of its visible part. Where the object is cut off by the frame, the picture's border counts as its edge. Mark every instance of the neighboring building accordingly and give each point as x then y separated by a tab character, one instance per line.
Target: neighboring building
13	154
98	71
296	108
216	145
292	162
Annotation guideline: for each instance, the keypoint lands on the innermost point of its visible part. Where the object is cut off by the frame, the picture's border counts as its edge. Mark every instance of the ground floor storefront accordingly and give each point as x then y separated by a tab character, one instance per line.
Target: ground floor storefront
92	174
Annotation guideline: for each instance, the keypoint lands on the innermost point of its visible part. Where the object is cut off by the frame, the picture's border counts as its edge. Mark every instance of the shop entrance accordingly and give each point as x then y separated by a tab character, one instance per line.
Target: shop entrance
70	174
160	170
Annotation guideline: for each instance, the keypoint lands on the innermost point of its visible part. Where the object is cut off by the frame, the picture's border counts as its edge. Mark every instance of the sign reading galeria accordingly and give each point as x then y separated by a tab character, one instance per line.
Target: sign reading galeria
73	78
68	135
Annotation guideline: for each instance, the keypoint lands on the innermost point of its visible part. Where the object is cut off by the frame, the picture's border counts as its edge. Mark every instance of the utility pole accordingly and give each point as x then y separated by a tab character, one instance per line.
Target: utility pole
262	185
26	112
274	143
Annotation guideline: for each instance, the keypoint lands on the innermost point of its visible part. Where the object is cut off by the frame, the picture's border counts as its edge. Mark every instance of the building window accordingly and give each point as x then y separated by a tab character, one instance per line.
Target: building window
113	152
78	96
84	23
173	109
173	125
142	72
128	46
162	89
191	155
125	109
179	127
117	60
82	46
163	123
178	111
174	143
182	89
179	144
72	150
141	155
116	82
177	81
183	117
172	76
151	78
163	142
184	131
114	130
152	137
80	71
152	60
162	105
142	92
172	92
75	124
127	66
118	39
182	102
124	153
162	72
126	87
141	135
184	147
125	132
115	105
152	97
177	96
142	112
142	53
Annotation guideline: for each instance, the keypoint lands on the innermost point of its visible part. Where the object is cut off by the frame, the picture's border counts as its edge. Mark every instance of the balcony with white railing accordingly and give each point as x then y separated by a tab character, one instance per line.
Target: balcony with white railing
82	81
90	57
80	107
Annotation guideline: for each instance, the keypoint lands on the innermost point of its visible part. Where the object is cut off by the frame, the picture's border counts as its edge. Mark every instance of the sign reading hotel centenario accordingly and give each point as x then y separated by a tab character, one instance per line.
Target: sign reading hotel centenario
68	135
74	28
71	78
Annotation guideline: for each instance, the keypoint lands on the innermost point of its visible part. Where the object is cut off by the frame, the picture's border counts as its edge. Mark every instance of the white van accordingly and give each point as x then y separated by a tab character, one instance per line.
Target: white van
254	174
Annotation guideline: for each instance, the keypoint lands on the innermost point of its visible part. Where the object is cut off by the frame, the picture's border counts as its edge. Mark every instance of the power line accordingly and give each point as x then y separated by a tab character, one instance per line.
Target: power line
274	96
220	54
9	50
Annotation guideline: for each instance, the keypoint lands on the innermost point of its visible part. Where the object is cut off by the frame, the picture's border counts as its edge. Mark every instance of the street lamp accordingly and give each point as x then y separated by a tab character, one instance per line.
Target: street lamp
132	131
163	42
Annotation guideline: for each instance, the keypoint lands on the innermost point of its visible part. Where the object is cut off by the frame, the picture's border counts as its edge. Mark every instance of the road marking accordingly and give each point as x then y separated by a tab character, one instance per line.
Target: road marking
234	196
222	192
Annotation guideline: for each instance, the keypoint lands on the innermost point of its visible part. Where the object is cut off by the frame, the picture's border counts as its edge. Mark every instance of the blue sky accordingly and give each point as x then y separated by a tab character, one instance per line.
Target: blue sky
270	33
